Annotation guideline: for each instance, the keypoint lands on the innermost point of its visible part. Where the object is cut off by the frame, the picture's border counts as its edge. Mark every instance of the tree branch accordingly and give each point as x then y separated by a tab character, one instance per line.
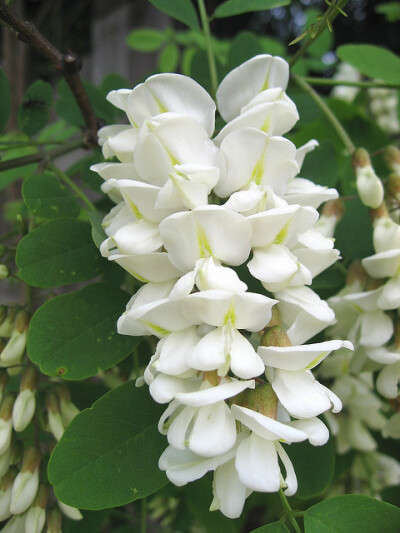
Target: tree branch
68	64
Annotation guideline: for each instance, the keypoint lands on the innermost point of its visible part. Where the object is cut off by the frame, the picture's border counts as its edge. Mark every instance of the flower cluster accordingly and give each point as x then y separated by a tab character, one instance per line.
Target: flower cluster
367	312
196	220
24	495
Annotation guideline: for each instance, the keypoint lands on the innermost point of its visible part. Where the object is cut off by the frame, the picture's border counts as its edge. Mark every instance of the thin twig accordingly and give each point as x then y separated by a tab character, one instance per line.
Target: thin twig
361	84
35	158
331	13
327	112
68	64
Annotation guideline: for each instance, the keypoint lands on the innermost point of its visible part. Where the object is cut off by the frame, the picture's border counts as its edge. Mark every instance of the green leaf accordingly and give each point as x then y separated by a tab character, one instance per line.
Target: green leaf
108	455
200	72
57	253
272	46
372	61
354	231
98	234
146	39
5	107
275	527
34	113
236	7
320	165
314	467
46	197
182	10
244	46
358	514
112	82
169	58
74	335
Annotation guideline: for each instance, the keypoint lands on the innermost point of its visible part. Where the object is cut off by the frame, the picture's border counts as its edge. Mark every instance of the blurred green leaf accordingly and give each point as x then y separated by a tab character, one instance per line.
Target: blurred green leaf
320	165
82	169
391	10
46	197
169	58
146	39
354	231
314	467
34	112
244	46
5	107
236	7
182	10
372	61
10	176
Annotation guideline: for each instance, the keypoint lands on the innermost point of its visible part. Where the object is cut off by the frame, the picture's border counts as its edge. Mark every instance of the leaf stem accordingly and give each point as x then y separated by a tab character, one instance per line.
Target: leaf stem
327	112
35	158
289	511
331	13
210	52
361	84
66	179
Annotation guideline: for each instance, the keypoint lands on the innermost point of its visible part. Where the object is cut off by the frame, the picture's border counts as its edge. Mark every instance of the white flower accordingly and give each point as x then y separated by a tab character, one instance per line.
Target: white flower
201	420
245	82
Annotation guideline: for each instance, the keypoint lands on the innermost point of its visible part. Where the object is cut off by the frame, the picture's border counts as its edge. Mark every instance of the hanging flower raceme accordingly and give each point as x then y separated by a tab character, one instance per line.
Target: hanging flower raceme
193	216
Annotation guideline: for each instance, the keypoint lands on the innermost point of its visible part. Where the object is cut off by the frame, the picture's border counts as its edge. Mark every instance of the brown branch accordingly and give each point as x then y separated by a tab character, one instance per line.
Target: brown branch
68	64
39	156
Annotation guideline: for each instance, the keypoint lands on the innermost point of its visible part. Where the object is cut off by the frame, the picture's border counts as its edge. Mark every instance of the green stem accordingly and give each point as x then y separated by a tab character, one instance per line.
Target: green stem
327	112
143	527
39	156
289	512
210	52
361	84
330	15
66	179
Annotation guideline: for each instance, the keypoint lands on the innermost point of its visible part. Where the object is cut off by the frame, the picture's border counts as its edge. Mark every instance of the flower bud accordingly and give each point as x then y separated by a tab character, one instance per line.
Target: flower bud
369	186
70	512
394	186
6	485
6	422
53	410
14	351
391	156
275	336
27	482
7	317
4	271
262	400
16	524
54	521
24	406
68	409
36	516
3	382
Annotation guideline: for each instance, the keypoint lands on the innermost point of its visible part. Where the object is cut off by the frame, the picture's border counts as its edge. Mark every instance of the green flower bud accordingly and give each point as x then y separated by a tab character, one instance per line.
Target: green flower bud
275	336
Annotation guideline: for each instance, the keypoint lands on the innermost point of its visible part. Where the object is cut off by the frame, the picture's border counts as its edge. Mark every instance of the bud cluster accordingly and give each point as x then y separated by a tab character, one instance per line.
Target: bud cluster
24	494
367	312
195	216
